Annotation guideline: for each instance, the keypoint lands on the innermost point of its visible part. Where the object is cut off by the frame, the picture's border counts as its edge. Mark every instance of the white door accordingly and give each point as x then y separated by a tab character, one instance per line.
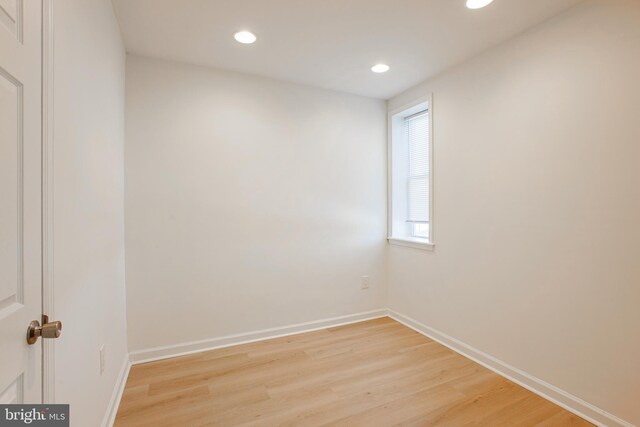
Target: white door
20	199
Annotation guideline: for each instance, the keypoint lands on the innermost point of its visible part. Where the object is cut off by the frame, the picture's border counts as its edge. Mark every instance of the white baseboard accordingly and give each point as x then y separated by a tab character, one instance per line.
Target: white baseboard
550	392
118	389
159	353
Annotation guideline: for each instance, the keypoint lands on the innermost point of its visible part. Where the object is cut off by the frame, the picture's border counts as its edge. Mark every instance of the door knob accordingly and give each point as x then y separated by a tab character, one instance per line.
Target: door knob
48	330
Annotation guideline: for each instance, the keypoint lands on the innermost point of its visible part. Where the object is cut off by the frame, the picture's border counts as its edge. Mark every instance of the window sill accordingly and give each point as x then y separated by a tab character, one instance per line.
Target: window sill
412	243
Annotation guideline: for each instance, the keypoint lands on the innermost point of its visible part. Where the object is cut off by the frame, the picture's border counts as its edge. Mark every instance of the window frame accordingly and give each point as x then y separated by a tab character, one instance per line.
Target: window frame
408	241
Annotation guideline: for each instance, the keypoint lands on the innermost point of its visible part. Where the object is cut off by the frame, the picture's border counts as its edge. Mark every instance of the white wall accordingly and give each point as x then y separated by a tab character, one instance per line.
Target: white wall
250	203
537	206
88	205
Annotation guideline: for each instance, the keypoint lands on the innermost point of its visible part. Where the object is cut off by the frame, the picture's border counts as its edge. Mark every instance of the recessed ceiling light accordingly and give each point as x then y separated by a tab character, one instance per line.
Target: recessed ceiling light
380	68
245	37
477	4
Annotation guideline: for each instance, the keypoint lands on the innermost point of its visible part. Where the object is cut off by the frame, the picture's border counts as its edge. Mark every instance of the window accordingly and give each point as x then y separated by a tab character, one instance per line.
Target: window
411	176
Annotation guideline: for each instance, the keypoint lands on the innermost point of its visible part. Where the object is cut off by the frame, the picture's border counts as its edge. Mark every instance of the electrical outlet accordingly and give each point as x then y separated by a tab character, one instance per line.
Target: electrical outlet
365	282
102	359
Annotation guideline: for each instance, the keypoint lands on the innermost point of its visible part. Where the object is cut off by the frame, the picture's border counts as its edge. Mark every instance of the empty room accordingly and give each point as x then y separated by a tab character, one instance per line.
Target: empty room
319	213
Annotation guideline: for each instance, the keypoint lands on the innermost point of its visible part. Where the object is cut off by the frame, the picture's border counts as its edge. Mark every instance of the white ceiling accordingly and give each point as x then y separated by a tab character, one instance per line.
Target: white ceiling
328	43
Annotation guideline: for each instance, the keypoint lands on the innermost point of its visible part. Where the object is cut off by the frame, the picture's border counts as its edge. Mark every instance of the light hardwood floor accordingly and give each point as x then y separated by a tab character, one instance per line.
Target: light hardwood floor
374	373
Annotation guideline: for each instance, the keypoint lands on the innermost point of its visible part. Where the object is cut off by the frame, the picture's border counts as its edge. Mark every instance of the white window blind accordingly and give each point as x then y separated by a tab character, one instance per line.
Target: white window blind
417	132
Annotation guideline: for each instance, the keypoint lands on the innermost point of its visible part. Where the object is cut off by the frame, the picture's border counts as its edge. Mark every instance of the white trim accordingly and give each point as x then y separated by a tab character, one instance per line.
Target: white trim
411	243
165	352
48	346
389	176
428	99
548	391
116	395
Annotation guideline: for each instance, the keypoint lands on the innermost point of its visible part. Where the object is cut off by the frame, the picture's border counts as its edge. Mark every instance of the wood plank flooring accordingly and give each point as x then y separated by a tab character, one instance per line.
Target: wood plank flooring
374	373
